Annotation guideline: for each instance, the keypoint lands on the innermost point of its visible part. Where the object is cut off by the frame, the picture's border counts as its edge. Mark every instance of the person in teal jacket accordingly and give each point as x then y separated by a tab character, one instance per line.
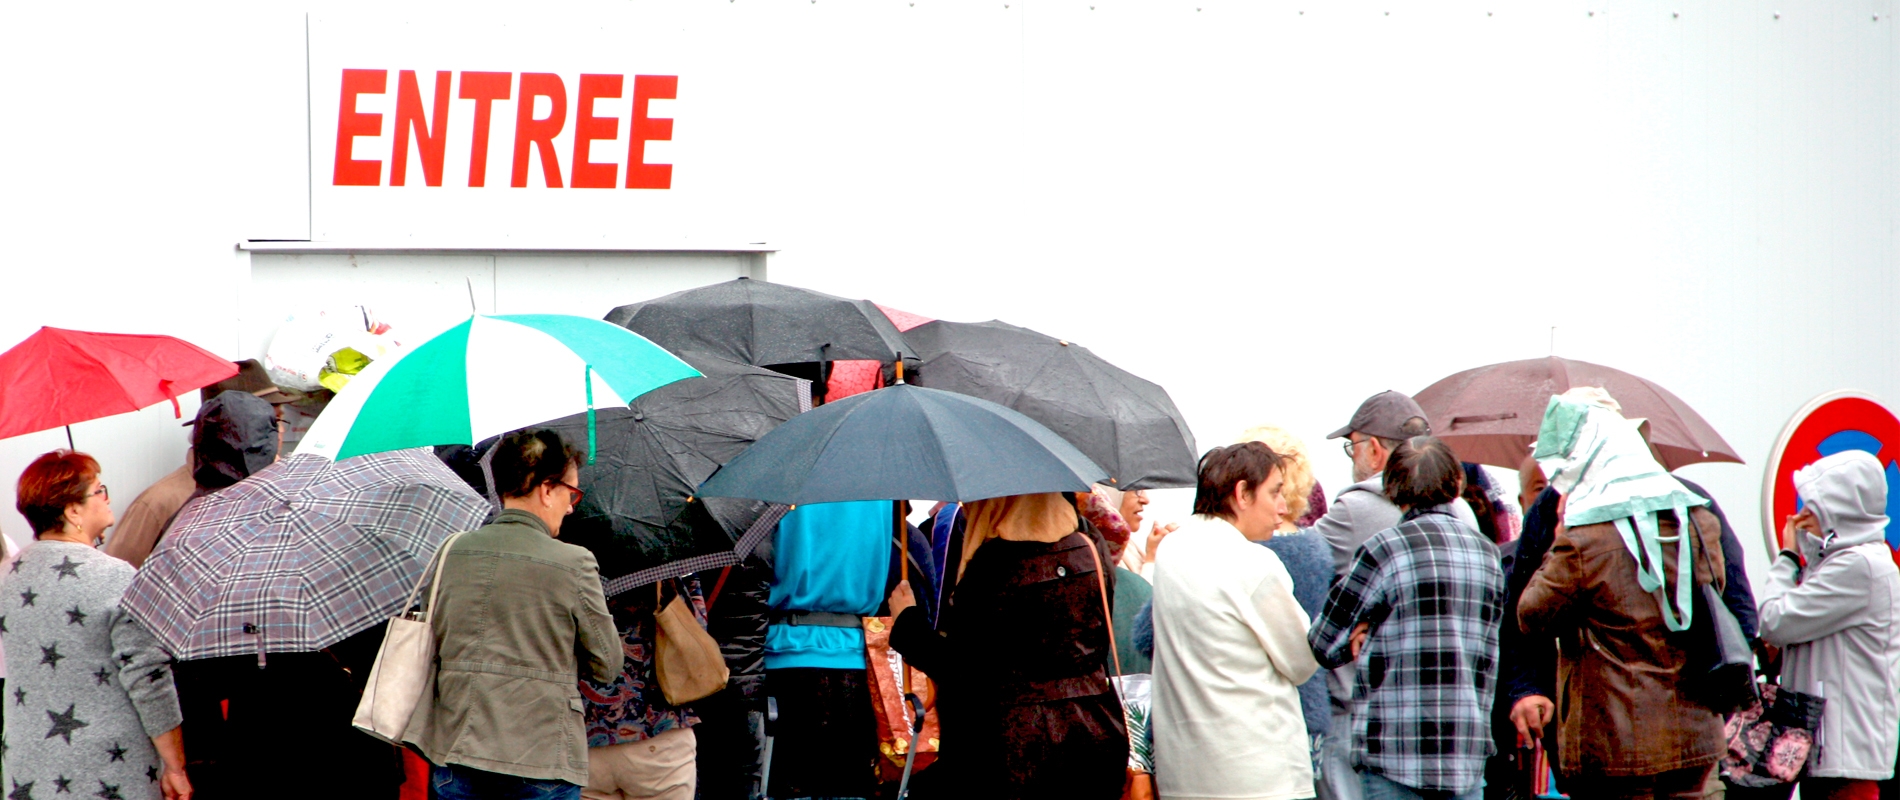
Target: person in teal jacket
832	562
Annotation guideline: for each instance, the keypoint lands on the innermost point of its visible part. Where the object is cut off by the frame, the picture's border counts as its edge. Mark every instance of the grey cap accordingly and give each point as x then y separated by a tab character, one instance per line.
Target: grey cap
1383	415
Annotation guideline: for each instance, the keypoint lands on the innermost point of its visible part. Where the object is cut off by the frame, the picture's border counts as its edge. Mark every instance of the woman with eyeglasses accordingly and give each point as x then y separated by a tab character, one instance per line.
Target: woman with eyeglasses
90	705
520	618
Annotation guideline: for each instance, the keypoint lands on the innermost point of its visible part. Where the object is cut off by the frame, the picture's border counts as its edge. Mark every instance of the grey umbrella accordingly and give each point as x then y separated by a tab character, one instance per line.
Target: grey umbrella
1127	424
904	442
763	324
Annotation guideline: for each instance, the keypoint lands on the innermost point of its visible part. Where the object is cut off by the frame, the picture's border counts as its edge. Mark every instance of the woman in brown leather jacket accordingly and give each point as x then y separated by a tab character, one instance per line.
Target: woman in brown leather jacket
1020	659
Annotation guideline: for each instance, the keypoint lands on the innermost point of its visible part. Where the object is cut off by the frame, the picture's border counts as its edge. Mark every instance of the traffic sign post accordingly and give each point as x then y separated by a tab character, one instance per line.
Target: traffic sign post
1832	423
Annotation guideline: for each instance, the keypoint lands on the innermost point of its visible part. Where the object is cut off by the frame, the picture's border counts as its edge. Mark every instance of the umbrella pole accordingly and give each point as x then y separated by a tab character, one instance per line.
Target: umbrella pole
69	438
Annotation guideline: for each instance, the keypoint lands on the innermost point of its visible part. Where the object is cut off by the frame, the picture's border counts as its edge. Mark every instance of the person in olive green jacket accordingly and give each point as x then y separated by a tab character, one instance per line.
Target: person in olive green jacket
519	618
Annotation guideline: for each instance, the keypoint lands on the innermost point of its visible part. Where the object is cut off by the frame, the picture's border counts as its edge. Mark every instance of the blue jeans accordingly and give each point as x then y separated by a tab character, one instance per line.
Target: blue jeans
457	782
1378	788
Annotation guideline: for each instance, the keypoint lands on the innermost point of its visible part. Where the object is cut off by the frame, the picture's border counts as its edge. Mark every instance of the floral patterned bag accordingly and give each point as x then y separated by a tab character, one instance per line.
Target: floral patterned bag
1769	743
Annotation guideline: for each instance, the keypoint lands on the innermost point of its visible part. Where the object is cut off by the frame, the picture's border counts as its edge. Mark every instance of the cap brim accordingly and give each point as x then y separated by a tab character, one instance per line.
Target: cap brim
1341	433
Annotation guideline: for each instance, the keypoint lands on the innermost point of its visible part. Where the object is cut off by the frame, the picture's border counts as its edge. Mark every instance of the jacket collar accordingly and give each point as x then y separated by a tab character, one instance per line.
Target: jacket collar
518	517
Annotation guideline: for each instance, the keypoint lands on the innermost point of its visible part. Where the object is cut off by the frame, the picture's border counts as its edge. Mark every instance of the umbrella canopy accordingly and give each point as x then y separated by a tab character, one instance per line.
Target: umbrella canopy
1124	423
653	455
58	377
300	556
1490	415
904	442
488	376
763	324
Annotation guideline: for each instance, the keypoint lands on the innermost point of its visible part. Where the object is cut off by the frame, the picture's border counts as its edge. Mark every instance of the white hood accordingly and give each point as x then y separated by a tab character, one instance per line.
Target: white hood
1848	493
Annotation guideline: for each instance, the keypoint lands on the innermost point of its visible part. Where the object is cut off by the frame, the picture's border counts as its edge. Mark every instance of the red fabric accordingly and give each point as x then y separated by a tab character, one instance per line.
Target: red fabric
1839	789
904	320
855	376
858	376
59	377
415	776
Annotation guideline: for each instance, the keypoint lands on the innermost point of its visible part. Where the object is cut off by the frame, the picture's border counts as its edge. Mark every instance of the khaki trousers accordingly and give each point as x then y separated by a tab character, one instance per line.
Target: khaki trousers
660	768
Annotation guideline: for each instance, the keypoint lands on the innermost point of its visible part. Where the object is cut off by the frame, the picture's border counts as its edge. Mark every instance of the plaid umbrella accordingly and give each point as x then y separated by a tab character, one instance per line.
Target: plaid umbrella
301	555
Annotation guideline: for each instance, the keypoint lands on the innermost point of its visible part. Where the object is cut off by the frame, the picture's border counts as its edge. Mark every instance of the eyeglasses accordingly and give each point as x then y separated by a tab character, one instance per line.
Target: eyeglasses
100	492
574	490
1349	444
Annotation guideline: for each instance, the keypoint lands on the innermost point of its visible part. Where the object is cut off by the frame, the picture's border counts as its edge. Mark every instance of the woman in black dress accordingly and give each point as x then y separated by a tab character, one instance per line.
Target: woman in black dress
1020	658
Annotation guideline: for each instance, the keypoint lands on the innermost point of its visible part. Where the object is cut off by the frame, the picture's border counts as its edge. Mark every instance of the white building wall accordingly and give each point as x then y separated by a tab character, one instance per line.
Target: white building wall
1272	208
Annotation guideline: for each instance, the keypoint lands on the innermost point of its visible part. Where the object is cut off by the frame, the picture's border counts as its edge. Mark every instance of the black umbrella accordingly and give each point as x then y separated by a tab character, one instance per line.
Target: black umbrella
904	442
763	324
1124	423
638	515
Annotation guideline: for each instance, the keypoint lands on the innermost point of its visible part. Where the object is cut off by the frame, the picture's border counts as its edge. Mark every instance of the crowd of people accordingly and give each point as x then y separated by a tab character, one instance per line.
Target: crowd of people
1412	636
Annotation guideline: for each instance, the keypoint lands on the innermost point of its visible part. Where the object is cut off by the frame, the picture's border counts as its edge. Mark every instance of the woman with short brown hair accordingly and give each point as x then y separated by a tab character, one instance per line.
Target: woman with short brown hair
1230	642
90	698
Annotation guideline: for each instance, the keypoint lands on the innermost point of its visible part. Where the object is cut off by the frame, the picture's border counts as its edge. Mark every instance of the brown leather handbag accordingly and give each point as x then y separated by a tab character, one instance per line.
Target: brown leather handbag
684	654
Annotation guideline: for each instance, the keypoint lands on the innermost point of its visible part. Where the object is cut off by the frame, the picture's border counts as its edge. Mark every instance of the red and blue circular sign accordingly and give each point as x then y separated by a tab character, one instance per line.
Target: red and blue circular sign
1829	424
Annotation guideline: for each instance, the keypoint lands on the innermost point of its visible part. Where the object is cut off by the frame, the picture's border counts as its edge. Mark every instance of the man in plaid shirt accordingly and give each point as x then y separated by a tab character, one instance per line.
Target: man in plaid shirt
1419	611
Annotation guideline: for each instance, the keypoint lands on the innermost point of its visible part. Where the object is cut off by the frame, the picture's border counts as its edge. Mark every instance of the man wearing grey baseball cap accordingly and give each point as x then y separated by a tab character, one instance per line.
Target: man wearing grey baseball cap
1382	421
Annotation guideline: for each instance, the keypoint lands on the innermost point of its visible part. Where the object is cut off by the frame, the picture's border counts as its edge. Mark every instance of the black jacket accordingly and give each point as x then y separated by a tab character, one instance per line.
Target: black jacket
1019	661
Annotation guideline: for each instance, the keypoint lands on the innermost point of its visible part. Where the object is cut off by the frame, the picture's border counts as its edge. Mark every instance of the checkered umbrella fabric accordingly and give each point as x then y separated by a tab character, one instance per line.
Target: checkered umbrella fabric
301	555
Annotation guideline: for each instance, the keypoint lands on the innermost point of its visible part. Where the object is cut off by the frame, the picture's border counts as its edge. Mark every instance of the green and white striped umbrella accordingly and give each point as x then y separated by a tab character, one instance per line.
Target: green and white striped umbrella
488	376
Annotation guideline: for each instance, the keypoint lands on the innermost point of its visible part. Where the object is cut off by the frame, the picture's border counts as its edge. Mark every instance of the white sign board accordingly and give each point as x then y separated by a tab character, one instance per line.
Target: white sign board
569	130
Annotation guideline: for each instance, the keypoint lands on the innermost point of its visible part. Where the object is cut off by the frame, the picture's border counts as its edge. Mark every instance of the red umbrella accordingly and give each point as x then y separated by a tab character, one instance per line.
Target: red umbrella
1490	415
59	377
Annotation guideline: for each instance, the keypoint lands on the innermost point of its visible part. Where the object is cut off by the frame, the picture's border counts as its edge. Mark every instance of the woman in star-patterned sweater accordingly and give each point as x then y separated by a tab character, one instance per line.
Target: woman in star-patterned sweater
90	708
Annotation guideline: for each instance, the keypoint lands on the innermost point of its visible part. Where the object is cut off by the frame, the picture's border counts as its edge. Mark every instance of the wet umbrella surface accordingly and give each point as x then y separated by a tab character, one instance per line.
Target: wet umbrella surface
650	458
763	324
1490	415
299	556
905	442
1126	424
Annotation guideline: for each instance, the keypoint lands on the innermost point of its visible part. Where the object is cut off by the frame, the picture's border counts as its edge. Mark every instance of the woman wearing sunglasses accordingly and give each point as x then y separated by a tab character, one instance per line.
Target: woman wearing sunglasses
520	618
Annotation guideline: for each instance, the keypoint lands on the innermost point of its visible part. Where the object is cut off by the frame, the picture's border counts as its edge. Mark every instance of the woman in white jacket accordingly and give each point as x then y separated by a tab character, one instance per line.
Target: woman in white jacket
1230	643
1837	620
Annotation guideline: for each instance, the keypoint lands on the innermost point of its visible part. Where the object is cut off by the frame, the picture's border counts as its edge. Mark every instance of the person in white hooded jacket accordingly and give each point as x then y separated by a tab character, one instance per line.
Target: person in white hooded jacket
1837	620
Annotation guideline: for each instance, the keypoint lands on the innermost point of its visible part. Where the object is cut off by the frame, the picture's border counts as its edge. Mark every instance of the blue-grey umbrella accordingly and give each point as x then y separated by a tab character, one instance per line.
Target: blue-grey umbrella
301	555
904	442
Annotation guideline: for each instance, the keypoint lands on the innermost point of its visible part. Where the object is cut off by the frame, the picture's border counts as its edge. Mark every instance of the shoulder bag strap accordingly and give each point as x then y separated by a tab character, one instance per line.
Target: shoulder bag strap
1108	612
435	583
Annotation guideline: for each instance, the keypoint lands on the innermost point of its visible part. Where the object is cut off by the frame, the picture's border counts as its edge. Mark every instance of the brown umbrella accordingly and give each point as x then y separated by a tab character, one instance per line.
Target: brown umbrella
1490	415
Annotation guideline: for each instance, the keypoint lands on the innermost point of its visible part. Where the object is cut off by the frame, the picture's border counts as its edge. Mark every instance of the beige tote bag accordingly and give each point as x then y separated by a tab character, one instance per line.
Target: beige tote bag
684	654
404	664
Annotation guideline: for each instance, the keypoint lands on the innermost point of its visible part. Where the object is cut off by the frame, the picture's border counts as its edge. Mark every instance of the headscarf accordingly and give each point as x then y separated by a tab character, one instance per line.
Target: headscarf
1102	508
1604	469
1047	517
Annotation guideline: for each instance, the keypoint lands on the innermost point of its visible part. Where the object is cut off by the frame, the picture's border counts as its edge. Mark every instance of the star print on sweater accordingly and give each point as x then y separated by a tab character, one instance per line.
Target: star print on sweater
50	655
67	568
27	597
65	724
76	617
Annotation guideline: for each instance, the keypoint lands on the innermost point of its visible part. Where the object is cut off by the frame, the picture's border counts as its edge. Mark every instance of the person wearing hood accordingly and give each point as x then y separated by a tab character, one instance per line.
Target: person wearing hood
250	436
1832	604
1020	658
1616	588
